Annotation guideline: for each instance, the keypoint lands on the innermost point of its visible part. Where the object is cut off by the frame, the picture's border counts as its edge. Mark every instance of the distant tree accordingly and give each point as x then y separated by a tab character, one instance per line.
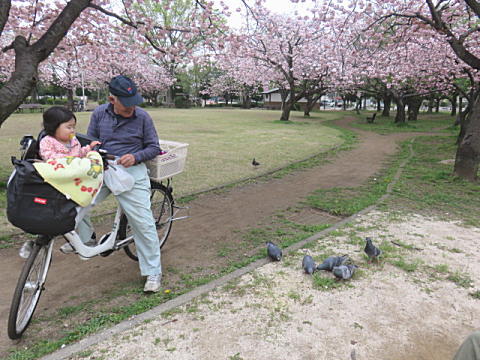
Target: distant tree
455	23
30	33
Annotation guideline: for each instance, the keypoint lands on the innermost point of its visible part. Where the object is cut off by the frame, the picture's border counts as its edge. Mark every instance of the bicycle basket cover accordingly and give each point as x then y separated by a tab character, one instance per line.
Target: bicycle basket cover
35	206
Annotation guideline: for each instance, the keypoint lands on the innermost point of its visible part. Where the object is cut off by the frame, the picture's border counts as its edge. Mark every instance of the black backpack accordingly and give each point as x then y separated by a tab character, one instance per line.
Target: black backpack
35	206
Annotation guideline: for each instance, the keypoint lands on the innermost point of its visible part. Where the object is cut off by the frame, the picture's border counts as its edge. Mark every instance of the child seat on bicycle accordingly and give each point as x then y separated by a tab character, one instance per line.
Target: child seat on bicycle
42	207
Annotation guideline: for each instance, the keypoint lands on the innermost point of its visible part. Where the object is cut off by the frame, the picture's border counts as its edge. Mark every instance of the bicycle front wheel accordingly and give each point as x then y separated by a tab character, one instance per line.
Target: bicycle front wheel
162	209
28	290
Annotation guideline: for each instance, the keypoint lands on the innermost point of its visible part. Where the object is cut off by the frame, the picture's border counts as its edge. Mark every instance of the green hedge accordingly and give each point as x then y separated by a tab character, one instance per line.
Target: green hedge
49	101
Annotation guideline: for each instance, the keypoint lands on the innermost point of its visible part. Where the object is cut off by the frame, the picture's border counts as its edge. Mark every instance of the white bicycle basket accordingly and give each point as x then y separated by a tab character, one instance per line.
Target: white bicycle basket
169	164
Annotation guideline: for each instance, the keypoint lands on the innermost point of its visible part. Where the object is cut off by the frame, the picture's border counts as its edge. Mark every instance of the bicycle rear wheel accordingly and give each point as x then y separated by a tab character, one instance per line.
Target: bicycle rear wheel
162	210
28	290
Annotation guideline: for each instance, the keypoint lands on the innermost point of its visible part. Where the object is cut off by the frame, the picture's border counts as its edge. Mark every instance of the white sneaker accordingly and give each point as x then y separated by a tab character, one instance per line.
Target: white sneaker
67	248
26	249
153	283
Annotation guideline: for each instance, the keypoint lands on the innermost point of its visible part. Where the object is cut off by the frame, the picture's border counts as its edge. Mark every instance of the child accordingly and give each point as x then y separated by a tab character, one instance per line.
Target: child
59	124
60	141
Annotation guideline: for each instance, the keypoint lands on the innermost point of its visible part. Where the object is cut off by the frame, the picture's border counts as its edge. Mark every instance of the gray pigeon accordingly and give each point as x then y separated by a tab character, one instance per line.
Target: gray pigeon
344	272
308	264
332	261
371	250
273	251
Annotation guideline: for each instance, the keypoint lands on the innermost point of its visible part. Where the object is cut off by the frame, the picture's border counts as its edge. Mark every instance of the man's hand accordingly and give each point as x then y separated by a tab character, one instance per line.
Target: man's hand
127	160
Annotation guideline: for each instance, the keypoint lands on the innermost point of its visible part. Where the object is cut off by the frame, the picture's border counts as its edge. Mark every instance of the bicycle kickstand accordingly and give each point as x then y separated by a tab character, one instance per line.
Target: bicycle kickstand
177	209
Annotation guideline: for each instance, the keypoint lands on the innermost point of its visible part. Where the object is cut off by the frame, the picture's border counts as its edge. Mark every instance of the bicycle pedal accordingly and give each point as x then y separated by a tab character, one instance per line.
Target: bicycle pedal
106	253
102	240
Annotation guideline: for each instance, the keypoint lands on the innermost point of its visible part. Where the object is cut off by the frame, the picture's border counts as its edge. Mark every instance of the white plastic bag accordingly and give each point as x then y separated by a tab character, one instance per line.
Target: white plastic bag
117	179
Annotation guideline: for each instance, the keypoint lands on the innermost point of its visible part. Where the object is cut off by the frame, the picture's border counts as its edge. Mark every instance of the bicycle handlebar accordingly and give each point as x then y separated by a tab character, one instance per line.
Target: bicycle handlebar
105	156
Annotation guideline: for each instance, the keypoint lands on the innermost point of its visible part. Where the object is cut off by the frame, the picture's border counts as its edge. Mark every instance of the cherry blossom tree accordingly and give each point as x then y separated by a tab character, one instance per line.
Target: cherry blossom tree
184	42
292	49
455	23
401	62
31	30
91	63
238	75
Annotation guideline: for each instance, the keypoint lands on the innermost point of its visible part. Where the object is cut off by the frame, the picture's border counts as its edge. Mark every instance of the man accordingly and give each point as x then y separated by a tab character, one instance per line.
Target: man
127	132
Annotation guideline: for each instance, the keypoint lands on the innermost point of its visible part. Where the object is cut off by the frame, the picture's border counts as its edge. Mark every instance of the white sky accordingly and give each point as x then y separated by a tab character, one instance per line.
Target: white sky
278	6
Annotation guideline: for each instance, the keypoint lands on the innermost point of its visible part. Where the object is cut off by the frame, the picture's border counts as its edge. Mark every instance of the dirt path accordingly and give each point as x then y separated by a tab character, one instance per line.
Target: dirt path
214	219
279	312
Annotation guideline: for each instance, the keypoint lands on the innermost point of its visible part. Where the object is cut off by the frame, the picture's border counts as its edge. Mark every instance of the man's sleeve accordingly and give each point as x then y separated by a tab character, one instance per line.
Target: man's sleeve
151	147
93	125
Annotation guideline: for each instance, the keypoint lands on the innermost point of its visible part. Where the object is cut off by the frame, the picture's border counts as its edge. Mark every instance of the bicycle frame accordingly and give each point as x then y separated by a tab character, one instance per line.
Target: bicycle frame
106	244
31	282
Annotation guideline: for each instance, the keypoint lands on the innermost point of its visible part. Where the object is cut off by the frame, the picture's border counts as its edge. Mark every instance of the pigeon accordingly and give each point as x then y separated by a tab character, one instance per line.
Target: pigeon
371	250
308	264
332	261
273	251
344	272
255	162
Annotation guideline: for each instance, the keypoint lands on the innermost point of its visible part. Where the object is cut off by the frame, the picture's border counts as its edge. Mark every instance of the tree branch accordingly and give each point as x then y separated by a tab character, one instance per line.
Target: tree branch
474	5
114	15
34	22
468	33
130	22
439	25
59	28
250	10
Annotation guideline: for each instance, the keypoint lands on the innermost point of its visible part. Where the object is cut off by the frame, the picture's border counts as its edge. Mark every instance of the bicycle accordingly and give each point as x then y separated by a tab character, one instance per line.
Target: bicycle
32	279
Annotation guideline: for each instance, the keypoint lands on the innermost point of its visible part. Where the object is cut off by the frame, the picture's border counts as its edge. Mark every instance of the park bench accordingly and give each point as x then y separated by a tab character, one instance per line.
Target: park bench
371	119
31	107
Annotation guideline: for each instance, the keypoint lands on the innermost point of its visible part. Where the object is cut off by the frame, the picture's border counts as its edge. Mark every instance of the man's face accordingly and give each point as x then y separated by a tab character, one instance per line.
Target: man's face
119	108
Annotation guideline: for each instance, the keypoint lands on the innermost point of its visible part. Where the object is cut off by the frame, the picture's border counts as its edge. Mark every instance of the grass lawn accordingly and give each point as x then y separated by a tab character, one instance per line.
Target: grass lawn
223	142
384	125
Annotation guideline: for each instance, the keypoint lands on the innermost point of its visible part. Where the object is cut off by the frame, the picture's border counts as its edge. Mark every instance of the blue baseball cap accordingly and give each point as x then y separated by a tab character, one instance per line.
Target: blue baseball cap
125	90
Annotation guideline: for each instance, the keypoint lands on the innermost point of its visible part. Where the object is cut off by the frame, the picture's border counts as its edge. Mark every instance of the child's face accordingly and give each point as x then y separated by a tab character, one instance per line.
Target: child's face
66	131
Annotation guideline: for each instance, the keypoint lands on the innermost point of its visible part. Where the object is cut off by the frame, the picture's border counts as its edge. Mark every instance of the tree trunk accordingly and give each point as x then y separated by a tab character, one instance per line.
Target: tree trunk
311	101
430	105
20	84
28	57
283	97
462	120
379	106
171	95
34	95
453	100
400	116
308	105
437	105
286	111
358	105
468	151
247	102
70	99
387	102
414	104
